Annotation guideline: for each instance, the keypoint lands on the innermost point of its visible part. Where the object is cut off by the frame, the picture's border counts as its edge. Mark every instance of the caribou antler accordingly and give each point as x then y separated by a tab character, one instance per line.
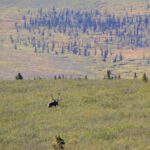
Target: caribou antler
52	97
59	97
55	101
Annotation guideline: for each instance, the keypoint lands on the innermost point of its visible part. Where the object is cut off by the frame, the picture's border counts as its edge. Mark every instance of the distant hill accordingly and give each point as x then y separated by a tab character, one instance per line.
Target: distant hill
25	61
48	3
62	3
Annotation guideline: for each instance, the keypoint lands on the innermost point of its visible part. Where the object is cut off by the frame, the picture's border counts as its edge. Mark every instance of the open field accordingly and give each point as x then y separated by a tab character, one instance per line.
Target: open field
93	115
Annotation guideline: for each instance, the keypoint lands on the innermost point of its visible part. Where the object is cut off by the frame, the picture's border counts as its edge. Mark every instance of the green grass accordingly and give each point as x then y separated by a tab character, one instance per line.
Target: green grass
94	115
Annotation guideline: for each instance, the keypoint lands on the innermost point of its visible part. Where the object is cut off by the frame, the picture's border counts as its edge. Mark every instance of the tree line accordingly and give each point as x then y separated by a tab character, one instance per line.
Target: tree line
79	32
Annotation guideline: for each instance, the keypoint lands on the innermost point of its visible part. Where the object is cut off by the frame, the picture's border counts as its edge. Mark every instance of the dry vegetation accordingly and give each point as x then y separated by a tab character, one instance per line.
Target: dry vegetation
93	115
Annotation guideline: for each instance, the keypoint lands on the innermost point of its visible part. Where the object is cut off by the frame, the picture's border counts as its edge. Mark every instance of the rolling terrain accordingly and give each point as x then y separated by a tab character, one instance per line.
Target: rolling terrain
47	65
75	40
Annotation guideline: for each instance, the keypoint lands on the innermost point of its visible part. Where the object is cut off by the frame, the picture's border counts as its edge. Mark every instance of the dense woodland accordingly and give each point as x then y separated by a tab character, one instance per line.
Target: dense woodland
87	33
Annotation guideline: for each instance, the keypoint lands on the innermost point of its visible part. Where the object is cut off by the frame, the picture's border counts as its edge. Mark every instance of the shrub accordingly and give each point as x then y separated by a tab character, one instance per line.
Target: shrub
19	77
135	75
59	143
108	74
145	78
86	77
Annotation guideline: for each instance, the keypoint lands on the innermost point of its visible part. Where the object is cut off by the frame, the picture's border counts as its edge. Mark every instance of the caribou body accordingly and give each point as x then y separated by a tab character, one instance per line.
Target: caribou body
54	103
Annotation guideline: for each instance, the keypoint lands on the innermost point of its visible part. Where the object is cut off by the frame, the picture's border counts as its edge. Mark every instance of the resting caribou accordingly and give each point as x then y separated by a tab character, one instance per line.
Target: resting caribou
55	102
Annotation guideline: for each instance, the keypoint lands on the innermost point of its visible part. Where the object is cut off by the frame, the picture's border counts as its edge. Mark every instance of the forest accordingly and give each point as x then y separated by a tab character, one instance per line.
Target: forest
87	33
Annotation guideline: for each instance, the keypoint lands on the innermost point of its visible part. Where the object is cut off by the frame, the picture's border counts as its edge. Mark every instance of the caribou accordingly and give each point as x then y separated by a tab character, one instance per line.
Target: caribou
55	101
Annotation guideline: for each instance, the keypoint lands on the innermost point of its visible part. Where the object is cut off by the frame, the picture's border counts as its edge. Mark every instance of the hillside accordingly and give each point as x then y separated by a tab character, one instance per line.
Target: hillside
61	3
95	115
16	57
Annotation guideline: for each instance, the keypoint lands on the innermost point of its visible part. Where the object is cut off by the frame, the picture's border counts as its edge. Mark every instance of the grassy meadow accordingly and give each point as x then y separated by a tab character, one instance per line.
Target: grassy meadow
93	114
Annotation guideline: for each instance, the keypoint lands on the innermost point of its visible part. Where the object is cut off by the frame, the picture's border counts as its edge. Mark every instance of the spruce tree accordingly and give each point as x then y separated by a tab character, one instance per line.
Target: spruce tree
145	78
135	75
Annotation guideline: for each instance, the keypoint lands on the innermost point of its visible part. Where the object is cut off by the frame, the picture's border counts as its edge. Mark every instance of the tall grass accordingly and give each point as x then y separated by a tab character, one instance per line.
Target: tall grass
93	115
